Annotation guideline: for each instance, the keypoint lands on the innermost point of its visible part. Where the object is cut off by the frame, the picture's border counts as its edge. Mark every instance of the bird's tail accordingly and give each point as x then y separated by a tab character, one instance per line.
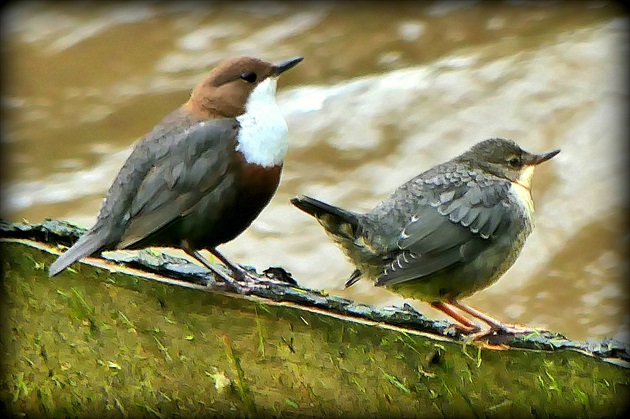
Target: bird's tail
325	212
88	244
340	223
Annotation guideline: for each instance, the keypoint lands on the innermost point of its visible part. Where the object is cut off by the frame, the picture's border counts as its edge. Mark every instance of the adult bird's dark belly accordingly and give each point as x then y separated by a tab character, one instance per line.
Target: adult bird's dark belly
256	186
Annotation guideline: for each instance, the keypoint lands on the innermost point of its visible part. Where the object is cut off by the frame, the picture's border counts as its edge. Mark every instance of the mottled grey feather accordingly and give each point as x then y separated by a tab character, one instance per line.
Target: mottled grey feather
463	213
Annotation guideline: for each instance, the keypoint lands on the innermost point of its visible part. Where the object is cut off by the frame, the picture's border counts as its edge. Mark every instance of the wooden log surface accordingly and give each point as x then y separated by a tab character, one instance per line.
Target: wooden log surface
155	335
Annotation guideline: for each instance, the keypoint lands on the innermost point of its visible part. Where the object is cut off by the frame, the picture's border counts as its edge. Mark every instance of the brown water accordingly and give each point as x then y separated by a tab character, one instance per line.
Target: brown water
384	93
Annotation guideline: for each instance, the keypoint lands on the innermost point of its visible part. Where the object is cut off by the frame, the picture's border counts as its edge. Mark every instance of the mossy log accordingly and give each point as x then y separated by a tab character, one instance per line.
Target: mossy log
154	335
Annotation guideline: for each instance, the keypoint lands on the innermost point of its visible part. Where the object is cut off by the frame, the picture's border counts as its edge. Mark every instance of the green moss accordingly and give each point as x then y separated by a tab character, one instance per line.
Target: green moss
101	343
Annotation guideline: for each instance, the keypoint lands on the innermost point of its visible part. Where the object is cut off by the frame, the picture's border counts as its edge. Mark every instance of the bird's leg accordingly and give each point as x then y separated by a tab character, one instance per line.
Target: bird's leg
239	273
465	326
493	323
242	274
231	282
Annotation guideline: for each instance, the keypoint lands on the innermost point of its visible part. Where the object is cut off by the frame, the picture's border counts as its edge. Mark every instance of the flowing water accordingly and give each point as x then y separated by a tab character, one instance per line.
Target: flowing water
384	92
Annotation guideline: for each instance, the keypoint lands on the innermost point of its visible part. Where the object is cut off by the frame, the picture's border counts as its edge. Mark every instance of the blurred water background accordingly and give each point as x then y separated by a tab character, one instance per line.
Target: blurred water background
385	91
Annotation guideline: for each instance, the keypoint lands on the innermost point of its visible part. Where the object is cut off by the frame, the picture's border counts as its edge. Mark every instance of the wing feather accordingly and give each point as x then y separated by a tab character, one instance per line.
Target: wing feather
197	163
455	223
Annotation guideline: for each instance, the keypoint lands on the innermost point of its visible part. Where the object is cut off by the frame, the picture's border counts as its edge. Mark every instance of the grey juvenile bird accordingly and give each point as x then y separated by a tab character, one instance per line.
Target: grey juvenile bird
203	174
445	234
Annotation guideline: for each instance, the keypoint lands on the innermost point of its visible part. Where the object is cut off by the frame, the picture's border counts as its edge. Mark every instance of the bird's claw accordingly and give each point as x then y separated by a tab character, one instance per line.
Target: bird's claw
514	329
245	281
238	287
463	329
503	330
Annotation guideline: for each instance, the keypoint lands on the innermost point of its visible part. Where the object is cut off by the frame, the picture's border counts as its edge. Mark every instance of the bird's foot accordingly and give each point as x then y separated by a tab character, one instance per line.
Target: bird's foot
515	329
237	278
497	328
240	281
244	275
502	329
270	276
238	286
463	329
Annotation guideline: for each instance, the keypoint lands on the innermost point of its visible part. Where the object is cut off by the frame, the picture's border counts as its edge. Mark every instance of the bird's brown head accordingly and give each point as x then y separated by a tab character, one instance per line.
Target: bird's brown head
225	91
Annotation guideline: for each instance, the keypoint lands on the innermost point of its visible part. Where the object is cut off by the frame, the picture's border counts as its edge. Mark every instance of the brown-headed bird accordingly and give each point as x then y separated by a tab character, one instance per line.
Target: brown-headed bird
203	174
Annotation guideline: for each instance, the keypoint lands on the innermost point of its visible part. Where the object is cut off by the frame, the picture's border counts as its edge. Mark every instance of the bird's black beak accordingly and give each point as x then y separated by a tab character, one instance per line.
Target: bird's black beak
281	67
535	159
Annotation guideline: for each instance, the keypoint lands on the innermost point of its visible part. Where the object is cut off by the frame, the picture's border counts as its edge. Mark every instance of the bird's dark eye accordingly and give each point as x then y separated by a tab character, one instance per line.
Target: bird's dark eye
514	162
249	76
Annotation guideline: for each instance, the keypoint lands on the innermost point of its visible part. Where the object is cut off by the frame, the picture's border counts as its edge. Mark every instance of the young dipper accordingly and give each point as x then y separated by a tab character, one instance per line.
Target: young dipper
445	234
203	174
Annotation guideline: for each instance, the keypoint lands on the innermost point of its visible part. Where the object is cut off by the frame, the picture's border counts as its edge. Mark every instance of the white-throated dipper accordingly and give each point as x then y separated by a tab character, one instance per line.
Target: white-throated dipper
203	174
445	234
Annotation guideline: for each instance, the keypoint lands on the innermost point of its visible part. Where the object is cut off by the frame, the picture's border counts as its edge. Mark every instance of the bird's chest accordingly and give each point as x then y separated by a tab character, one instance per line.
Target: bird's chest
524	205
263	136
256	184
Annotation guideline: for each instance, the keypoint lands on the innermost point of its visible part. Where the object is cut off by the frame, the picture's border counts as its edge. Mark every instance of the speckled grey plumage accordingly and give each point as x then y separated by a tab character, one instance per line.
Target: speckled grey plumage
446	233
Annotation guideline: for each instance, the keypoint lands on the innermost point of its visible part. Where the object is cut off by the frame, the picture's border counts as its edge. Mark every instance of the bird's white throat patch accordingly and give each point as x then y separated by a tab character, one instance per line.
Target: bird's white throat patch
521	191
262	138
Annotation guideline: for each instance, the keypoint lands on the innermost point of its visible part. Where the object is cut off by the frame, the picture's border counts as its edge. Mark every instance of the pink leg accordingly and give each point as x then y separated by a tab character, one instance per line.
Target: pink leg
493	323
465	325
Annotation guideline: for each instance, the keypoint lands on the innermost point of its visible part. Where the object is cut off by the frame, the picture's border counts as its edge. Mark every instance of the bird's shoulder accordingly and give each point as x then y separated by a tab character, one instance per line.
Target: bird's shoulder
180	139
181	131
458	178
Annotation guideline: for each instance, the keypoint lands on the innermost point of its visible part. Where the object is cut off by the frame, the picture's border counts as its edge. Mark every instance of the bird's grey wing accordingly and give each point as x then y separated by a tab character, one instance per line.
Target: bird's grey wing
114	214
455	221
196	163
